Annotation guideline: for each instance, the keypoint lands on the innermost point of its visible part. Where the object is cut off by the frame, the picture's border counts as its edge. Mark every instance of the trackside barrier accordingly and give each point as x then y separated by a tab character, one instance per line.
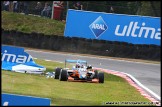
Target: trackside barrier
133	29
81	45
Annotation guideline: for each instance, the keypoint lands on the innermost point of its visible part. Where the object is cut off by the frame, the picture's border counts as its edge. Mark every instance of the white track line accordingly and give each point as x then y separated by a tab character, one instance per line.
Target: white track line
53	61
137	82
49	60
144	87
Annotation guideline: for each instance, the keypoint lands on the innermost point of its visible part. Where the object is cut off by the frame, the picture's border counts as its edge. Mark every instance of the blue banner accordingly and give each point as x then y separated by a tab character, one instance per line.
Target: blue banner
15	55
113	27
16	59
19	100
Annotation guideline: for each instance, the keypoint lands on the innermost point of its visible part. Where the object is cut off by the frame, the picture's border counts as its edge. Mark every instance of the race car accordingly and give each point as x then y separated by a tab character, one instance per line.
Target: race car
80	72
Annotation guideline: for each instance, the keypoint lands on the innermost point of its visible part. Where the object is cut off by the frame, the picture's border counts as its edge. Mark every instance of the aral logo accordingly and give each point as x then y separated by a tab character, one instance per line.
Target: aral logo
98	27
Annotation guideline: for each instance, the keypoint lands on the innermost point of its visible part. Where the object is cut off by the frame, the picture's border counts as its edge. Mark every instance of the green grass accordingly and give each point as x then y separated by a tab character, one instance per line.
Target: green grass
28	24
114	89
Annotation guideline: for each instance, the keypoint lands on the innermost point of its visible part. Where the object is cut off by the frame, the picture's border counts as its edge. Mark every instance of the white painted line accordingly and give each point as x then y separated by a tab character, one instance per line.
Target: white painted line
57	61
141	85
53	61
49	60
144	87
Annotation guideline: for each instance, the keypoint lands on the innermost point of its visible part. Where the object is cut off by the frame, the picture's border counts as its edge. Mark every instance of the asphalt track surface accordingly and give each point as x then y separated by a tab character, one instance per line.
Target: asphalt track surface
146	73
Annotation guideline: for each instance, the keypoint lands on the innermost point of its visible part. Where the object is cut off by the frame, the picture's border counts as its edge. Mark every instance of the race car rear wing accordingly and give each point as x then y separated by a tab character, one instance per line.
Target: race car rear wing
75	61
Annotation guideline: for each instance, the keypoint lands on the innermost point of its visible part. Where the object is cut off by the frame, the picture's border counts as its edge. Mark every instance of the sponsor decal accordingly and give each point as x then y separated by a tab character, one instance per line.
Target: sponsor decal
113	27
98	27
15	58
135	30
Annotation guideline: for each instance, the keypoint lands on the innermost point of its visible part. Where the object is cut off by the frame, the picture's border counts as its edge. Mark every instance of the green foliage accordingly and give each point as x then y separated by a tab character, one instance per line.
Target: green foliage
132	7
146	9
28	24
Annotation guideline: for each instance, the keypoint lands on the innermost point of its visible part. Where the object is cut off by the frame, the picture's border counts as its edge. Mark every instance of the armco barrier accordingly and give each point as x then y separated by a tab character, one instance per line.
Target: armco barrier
81	45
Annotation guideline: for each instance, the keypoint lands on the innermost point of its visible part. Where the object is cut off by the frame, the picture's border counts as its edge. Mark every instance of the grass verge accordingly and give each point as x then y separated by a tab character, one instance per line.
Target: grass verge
28	24
61	93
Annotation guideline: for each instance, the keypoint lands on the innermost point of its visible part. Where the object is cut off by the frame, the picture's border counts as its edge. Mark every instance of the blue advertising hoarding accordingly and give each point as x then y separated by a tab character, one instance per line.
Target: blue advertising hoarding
113	27
12	56
15	54
19	100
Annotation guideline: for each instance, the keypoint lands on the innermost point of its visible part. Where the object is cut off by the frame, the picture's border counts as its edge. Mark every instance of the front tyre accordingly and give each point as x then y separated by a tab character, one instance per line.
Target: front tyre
63	75
57	73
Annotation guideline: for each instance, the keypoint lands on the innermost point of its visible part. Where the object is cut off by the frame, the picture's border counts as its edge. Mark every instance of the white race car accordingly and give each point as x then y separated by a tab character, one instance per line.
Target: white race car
79	72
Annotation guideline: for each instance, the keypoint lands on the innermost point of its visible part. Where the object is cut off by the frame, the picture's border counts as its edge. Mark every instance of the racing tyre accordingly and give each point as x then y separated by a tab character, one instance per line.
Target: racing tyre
96	74
57	73
63	75
101	77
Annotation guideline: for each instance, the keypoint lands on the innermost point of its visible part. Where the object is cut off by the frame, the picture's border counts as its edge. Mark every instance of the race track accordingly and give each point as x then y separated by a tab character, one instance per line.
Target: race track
146	73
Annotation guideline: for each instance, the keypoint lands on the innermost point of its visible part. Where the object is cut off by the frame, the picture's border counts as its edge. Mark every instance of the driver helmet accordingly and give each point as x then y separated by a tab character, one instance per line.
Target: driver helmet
82	66
77	65
89	67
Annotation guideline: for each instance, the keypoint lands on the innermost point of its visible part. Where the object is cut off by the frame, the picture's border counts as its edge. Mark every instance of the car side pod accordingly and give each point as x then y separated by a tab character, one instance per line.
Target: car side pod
70	79
94	81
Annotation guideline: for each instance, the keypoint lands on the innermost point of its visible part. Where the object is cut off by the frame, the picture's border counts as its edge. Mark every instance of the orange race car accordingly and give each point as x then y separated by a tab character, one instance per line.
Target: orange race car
80	72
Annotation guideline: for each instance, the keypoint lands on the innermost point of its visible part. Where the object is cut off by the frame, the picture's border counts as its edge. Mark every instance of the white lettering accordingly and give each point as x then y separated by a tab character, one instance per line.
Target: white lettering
9	56
29	58
147	31
137	31
5	103
12	57
93	26
158	34
129	29
134	30
21	59
102	27
98	26
117	30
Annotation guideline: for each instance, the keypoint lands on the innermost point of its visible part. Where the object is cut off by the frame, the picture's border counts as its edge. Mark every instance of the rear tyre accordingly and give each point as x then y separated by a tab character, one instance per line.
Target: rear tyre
63	75
57	73
101	77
